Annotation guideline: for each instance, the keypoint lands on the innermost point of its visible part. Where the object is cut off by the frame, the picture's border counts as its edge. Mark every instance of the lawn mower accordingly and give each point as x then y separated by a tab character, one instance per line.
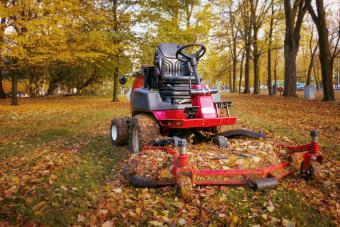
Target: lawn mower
171	105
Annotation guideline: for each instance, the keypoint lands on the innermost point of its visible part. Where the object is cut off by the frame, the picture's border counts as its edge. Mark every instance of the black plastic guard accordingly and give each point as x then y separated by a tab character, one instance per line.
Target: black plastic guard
139	181
241	132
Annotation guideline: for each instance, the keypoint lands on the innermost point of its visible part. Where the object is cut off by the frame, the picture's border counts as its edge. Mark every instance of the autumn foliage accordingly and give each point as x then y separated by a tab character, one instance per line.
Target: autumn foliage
58	167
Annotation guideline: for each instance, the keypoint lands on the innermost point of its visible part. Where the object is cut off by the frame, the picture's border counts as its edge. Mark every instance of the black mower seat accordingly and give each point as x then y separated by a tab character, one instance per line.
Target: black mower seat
167	63
175	91
174	75
178	80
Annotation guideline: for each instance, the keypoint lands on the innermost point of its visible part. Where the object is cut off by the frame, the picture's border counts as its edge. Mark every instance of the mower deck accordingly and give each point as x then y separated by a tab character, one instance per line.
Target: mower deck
180	164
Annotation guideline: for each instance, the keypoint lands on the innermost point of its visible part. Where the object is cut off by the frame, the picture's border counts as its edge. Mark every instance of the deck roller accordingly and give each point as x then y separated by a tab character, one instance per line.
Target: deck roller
267	183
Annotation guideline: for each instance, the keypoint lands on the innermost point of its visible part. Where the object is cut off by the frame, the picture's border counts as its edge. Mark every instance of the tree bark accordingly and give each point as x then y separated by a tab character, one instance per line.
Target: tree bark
241	73
2	30
247	65
309	72
247	30
256	56
316	74
234	74
116	57
14	101
269	55
269	70
294	18
290	72
275	74
325	55
2	92
115	84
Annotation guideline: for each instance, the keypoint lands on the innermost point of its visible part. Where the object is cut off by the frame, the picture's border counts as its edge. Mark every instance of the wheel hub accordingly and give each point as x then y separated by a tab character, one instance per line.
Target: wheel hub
114	132
135	139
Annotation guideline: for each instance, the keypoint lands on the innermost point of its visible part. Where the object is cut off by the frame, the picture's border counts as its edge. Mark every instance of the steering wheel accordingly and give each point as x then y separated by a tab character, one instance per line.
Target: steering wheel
185	57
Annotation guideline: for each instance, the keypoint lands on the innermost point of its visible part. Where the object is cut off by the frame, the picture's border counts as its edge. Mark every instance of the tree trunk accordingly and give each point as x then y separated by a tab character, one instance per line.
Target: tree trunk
116	57
326	67
290	72
52	86
325	55
247	69
293	22
234	74
2	92
2	29
93	79
316	74
275	74
269	70
14	100
230	77
241	72
269	55
256	57
115	84
309	72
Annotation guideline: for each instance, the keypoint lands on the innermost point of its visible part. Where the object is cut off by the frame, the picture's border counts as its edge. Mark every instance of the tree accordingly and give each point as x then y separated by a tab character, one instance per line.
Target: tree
246	32
2	32
312	52
258	16
294	15
325	55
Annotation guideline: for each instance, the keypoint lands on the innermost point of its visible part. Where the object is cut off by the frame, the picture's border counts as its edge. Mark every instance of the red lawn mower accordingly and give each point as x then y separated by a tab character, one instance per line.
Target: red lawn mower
169	101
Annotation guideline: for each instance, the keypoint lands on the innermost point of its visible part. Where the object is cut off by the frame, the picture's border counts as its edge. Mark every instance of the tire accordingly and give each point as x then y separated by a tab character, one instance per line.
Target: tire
143	130
119	131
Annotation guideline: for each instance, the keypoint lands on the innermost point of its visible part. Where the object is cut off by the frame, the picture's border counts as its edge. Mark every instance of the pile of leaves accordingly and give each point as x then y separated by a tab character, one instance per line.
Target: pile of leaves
154	164
240	154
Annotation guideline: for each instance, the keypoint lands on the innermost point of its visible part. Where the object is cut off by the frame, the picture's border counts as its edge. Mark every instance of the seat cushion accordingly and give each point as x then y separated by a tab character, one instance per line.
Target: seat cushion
178	80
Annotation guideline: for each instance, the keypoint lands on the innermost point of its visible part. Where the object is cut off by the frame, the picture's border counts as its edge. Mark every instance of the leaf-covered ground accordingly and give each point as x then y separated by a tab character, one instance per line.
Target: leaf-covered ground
58	167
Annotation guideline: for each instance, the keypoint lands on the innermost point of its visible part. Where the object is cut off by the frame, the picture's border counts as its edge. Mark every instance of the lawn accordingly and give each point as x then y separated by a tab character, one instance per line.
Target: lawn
58	167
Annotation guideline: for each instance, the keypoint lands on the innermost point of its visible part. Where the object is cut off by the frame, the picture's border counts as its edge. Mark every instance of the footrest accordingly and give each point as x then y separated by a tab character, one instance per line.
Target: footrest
224	104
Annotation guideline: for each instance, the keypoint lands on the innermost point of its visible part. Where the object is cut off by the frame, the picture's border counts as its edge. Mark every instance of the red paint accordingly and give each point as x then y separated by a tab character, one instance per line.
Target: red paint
183	160
197	122
169	114
206	106
311	153
138	82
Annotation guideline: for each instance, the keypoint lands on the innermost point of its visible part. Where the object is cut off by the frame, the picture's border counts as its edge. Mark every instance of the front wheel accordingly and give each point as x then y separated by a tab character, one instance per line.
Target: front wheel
119	131
143	130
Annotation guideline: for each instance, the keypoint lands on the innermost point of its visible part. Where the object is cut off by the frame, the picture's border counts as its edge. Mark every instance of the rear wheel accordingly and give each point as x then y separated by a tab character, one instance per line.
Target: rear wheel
119	131
143	130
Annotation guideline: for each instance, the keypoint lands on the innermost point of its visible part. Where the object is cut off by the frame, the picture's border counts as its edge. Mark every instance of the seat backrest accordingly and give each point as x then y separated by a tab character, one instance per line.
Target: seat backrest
166	62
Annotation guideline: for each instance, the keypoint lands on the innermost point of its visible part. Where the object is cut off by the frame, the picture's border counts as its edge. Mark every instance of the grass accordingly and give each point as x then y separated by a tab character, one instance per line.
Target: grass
56	159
